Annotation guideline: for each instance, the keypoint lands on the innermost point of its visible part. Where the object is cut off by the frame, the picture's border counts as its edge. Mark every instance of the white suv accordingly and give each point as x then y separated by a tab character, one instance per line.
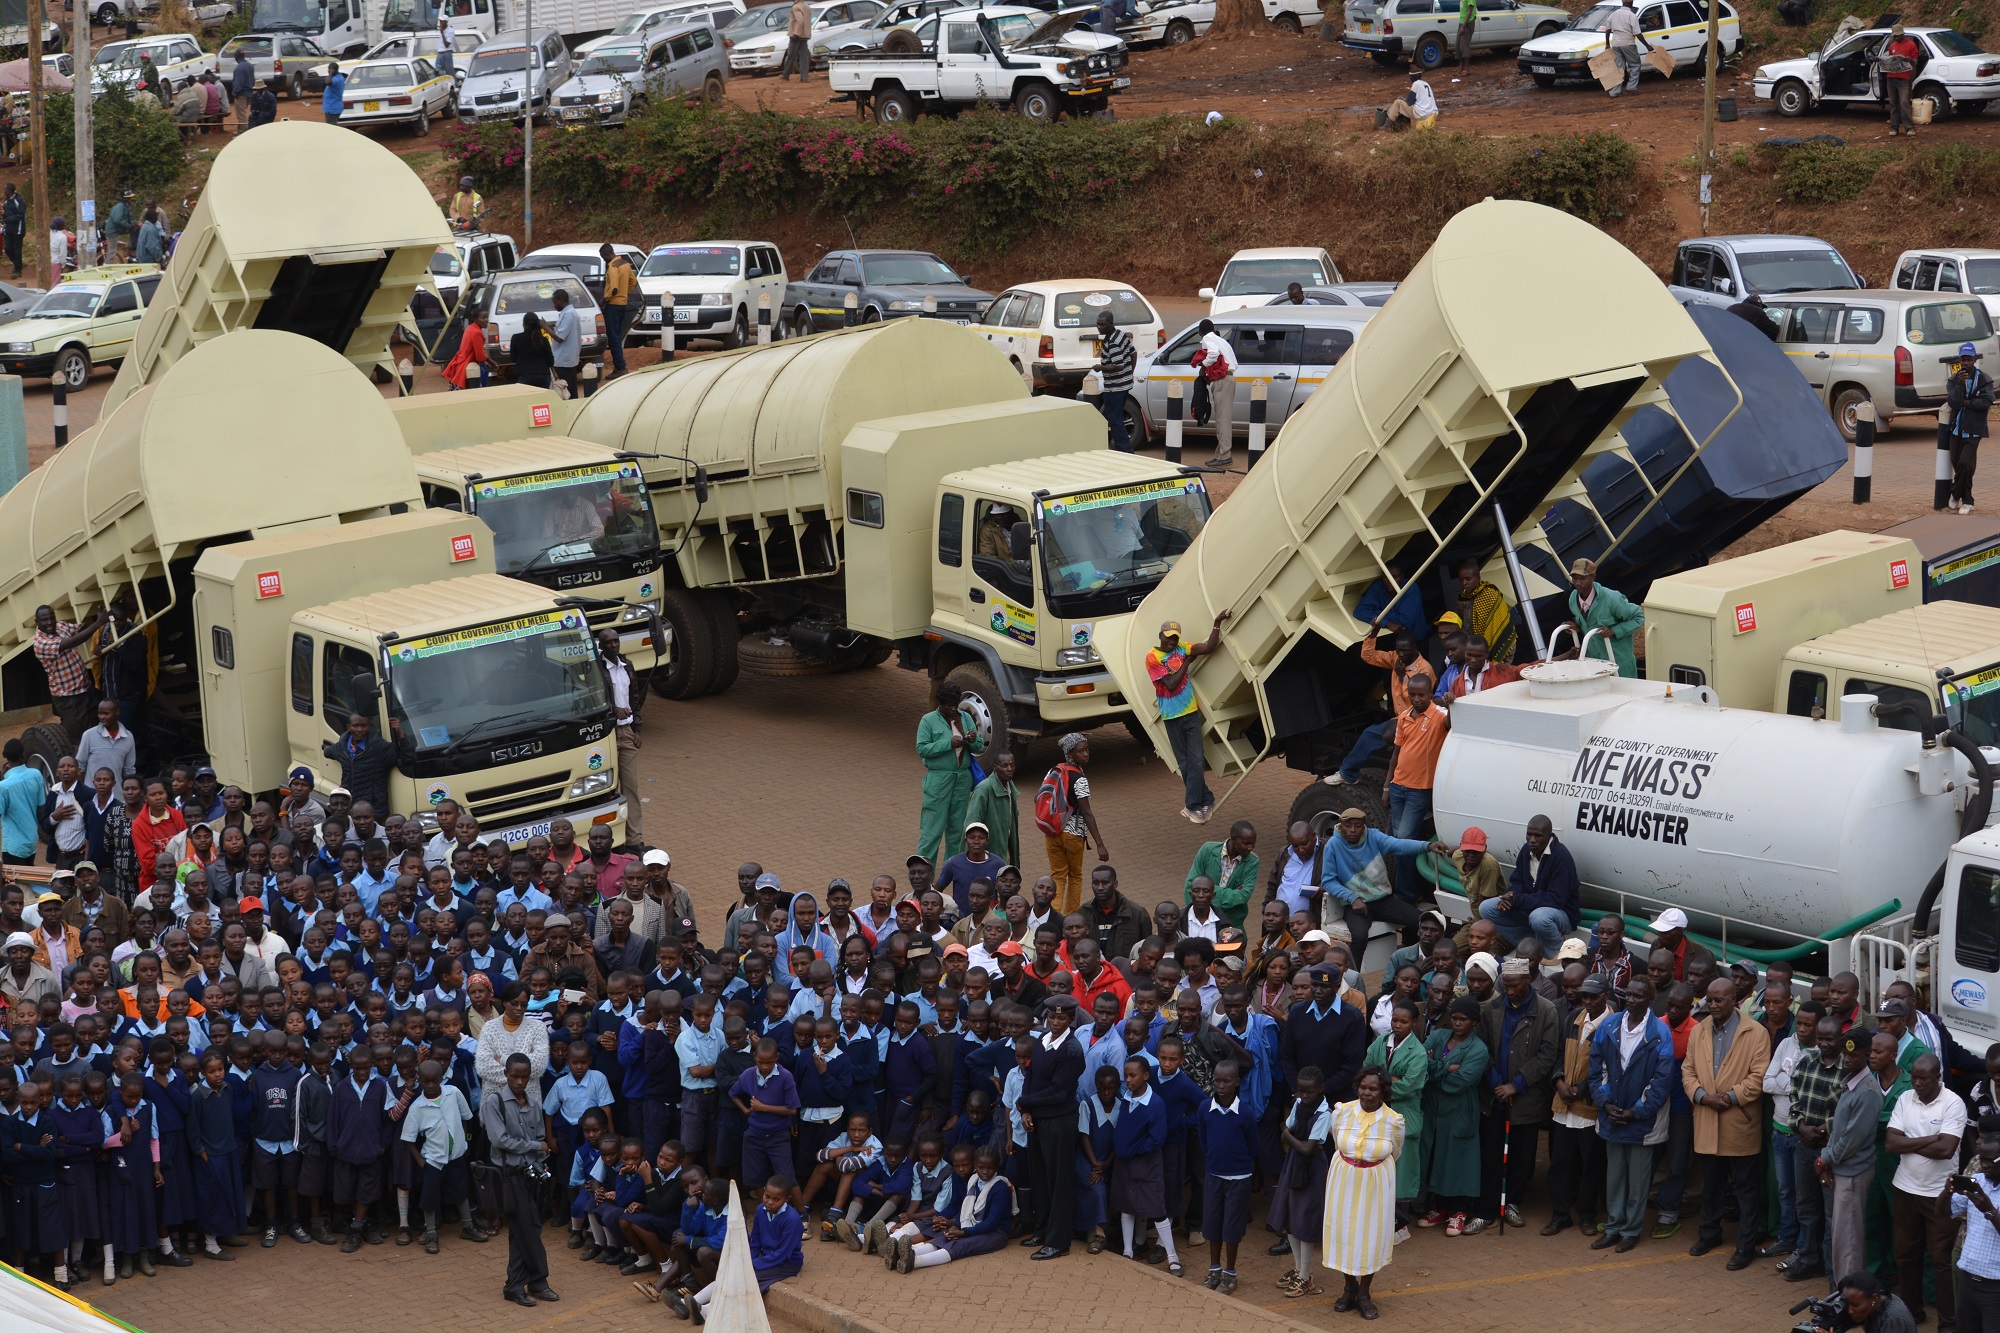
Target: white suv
708	289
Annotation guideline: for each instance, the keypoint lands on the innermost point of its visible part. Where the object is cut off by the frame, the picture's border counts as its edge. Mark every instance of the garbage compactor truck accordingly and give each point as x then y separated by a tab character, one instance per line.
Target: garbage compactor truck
310	583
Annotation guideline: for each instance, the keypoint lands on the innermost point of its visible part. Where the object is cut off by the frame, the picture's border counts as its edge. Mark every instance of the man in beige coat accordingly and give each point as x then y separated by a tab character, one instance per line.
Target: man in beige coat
1724	1076
798	54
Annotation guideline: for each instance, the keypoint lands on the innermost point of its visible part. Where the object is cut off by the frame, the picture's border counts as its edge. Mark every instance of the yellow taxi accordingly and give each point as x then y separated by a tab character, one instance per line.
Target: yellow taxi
86	320
395	92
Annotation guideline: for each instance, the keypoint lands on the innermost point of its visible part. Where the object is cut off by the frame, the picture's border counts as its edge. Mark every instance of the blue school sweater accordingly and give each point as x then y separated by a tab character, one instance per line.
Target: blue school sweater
978	1133
273	1117
820	1090
705	1226
211	1122
1183	1099
775	1238
909	1070
605	1019
652	1070
1141	1128
778	1090
864	1068
983	1066
1228	1139
169	1102
357	1121
877	1181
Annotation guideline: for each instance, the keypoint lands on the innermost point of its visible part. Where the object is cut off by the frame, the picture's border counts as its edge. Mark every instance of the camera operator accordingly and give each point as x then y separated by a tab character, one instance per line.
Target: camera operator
1868	1307
518	1133
1973	1197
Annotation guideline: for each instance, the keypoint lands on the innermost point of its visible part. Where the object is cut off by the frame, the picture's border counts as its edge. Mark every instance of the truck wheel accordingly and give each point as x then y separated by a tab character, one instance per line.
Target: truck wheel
1287	23
801	323
296	90
871	316
1319	805
1792	99
893	106
1430	51
765	656
107	15
691	673
721	609
45	743
1846	415
902	42
983	700
1180	32
1135	423
72	368
1036	103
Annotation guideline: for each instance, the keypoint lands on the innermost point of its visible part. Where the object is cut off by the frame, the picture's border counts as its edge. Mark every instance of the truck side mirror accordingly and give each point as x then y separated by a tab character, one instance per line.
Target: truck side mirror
700	484
657	628
1725	286
1017	542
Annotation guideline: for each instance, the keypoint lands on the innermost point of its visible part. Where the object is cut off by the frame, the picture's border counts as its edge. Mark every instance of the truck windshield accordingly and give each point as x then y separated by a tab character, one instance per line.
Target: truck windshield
544	520
296	15
502	678
1769	272
1972	704
1102	549
410	16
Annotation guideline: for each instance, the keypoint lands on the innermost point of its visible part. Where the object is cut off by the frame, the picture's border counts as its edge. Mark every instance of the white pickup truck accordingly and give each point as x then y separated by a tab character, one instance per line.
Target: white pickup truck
992	55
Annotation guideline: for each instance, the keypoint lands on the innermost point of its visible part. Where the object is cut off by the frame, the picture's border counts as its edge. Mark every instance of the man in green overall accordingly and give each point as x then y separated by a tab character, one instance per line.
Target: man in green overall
947	738
1595	607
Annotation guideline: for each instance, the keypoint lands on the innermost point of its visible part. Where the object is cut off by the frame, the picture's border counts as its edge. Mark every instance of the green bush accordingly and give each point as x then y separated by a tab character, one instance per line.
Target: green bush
137	148
1823	173
1584	174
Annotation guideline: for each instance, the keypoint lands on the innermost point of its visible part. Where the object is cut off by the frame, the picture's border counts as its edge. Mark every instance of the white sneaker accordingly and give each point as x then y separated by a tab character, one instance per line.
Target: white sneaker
1334	779
1965	508
1402	1234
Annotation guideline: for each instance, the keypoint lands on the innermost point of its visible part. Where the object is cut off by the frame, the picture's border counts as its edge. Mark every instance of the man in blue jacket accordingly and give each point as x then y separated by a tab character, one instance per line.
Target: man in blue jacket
1631	1077
1358	875
1543	894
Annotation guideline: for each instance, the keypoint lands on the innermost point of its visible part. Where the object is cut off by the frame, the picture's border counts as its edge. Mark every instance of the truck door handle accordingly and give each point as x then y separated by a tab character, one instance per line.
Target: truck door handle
974	594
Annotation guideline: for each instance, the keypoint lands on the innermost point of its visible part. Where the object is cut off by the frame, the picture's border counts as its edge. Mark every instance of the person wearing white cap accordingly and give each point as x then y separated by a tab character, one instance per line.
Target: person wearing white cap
23	980
663	889
1670	933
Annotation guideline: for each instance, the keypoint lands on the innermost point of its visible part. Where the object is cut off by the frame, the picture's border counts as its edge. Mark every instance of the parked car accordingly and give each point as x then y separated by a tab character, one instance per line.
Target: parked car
644	24
1373	294
1041	64
502	298
87	320
174	56
1253	276
513	77
887	284
470	255
1891	348
407	45
1426	31
15	300
709	289
395	92
615	79
1722	270
1678	26
1049	329
1952	270
1953	71
1178	22
757	41
582	261
1292	351
868	34
284	62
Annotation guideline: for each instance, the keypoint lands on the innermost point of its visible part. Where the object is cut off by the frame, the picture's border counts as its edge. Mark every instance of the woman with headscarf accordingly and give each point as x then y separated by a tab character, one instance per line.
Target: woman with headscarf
1449	1140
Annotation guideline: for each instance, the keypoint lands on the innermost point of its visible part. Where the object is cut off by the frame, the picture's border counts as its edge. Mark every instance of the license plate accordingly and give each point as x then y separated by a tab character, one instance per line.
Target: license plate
684	316
1544	69
575	112
1364	27
371	106
961	321
1121	83
652	314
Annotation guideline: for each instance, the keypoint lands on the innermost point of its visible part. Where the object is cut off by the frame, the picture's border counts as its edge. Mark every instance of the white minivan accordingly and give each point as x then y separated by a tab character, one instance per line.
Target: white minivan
708	289
1952	270
1892	348
1049	329
1252	277
512	77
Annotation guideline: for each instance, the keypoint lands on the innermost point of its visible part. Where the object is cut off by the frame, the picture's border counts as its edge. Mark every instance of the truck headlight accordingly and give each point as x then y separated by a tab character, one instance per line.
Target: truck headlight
715	298
638	611
426	820
589	785
1076	657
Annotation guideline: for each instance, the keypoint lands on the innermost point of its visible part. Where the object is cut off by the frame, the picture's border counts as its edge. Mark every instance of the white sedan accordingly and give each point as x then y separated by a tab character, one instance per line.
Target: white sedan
1680	27
758	40
395	92
1955	73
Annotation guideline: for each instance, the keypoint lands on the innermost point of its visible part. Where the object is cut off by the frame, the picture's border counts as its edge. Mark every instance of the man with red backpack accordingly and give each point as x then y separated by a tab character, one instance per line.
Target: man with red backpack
1062	812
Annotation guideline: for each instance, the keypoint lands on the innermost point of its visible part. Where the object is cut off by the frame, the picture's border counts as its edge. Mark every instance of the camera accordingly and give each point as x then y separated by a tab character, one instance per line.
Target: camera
538	1171
1824	1311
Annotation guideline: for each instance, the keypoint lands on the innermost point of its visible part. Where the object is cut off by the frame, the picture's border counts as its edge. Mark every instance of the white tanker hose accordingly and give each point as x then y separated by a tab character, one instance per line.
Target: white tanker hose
1974	819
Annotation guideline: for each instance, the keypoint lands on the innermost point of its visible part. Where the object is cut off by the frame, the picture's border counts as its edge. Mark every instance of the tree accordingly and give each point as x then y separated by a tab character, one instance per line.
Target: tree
1237	18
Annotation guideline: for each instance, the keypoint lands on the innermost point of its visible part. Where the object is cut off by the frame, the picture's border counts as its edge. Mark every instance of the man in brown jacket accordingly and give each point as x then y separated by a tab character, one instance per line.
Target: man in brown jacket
1576	1153
1724	1076
1524	1033
558	955
798	56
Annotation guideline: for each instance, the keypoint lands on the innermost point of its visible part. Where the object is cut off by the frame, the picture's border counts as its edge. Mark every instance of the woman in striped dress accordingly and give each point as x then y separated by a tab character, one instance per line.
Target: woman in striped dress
1361	1189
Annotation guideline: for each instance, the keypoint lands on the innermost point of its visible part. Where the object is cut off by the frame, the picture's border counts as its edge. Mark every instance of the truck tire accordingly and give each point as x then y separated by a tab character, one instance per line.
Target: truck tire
1430	52
1037	102
45	743
1846	399
764	656
1792	99
1319	805
893	106
721	610
1179	33
802	323
902	42
691	673
983	700
1287	23
72	368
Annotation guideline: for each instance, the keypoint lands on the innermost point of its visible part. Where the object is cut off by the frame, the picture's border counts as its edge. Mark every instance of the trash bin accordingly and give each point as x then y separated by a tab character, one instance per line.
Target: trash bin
1725	108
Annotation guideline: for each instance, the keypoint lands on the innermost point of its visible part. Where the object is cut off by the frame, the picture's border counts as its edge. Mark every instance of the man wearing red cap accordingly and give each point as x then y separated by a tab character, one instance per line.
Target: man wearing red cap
262	942
1479	875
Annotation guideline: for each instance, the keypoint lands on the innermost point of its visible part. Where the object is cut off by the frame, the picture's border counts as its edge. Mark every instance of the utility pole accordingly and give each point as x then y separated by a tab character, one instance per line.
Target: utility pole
528	136
38	180
1714	58
86	140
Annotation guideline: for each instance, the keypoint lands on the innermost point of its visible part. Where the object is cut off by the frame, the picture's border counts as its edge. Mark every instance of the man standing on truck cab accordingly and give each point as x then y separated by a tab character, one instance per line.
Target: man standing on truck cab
1593	607
798	31
623	682
1970	394
1171	667
947	738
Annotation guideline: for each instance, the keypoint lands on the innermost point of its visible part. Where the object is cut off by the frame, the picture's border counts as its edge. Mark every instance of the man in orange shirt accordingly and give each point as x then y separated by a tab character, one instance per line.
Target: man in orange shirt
1413	759
1405	659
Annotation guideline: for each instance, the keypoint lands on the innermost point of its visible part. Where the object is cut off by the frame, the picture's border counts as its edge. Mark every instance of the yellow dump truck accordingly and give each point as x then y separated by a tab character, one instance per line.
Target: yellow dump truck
310	583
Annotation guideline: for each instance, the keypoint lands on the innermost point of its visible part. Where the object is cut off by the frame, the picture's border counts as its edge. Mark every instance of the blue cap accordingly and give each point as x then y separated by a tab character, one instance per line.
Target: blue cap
1967	349
767	881
301	772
